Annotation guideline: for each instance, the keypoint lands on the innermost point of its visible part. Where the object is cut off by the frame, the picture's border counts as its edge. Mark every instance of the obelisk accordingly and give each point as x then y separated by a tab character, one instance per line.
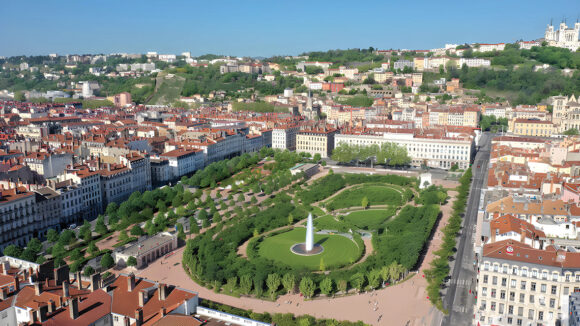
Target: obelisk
309	234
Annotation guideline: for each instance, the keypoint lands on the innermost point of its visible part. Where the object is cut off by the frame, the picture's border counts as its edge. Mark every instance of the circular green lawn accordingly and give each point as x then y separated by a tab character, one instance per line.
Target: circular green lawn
338	250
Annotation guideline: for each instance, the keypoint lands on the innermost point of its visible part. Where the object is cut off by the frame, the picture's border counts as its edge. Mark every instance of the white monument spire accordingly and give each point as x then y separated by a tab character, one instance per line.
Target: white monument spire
309	234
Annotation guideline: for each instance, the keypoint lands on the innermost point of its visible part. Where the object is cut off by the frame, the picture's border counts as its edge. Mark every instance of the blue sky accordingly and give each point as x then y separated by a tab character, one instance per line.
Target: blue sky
265	28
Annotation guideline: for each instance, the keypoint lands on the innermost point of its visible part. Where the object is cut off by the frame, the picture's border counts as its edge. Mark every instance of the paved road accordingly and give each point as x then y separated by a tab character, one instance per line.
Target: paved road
458	301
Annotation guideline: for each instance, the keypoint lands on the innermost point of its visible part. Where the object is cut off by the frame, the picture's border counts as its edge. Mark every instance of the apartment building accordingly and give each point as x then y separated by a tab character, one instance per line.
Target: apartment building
48	165
528	127
433	150
521	285
318	140
183	161
18	214
284	137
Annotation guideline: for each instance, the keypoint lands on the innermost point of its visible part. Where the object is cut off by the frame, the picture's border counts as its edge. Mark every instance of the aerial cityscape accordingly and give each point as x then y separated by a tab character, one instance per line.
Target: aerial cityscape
239	164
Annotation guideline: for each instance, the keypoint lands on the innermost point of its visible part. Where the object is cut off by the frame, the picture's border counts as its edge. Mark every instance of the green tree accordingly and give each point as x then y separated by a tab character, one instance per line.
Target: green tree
92	249
123	236
19	96
290	219
136	230
180	232
52	235
88	271
107	261
76	254
289	282
100	226
132	261
231	283
571	132
193	227
273	283
365	202
326	286
358	280
307	287
12	251
85	231
374	278
246	284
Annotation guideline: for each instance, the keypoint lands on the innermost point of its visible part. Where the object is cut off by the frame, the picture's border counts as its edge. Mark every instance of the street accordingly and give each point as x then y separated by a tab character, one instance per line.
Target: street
459	300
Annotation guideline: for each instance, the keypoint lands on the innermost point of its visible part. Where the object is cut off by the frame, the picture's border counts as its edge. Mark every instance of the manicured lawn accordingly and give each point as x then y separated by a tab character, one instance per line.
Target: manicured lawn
338	250
377	195
369	219
327	222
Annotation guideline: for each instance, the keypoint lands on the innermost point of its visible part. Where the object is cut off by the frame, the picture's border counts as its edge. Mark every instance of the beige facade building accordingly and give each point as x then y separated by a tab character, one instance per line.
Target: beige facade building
536	128
316	141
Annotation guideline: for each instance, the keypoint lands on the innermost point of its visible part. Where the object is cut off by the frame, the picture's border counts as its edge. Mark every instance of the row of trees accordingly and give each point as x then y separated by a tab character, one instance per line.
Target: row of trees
439	268
387	153
275	283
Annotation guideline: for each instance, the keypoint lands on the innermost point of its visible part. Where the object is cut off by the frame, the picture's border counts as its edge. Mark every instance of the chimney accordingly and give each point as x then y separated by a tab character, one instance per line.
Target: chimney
33	316
127	321
42	312
73	307
131	282
493	235
4	293
163	312
5	267
37	288
162	291
95	282
51	306
65	289
16	283
79	280
139	317
522	234
141	298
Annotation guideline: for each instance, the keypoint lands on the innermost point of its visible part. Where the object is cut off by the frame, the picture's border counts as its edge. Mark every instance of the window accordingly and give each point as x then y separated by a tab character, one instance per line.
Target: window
502	294
509	320
531	298
501	308
541	315
524	272
523	285
554	289
494	280
485	277
484	291
493	293
520	311
543	288
512	296
533	286
519	322
531	314
552	303
504	281
483	305
534	273
515	271
513	283
492	306
522	297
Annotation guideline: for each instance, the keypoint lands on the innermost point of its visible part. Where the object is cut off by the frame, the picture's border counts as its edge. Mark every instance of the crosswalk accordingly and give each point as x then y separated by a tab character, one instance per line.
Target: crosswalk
460	309
460	282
